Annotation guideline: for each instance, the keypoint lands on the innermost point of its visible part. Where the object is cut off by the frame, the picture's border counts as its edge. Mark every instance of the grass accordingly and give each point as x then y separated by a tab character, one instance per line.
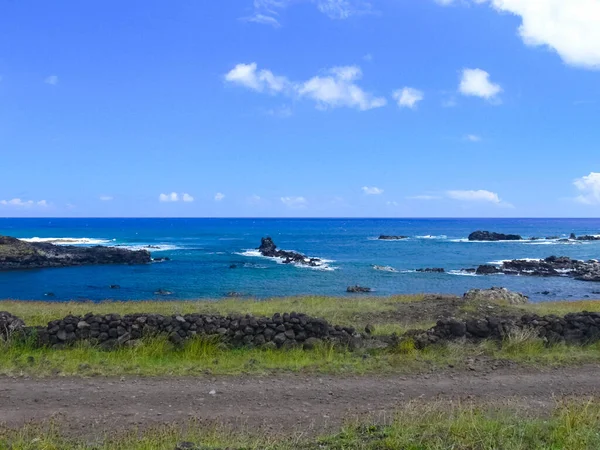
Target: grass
570	424
346	311
157	357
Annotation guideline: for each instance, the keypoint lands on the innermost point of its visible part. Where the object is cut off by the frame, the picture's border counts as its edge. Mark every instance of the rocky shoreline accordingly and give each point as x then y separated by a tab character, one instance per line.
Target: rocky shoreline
553	266
16	254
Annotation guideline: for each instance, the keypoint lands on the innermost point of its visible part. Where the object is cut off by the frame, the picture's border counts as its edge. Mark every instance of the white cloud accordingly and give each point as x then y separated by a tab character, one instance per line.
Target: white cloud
338	90
172	197
476	83
372	190
294	202
475	196
589	187
187	198
569	27
335	88
266	11
262	19
473	138
18	203
51	80
219	196
424	197
264	80
106	198
408	97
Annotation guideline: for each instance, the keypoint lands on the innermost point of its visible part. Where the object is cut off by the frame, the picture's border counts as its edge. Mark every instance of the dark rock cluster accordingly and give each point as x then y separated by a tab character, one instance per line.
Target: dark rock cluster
385	237
553	266
18	254
491	236
573	328
269	249
112	330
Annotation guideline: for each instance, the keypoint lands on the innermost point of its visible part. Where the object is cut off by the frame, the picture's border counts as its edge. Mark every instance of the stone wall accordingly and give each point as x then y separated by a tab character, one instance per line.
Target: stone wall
111	330
574	328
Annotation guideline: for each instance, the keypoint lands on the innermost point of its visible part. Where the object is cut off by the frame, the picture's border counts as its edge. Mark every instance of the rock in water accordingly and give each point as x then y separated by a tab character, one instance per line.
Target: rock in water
269	249
491	236
553	266
496	294
432	270
385	237
358	289
16	254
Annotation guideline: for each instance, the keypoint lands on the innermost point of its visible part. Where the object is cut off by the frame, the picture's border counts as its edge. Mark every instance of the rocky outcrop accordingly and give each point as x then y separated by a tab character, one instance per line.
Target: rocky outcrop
358	289
588	238
553	266
432	270
269	249
496	294
491	236
112	330
385	237
16	254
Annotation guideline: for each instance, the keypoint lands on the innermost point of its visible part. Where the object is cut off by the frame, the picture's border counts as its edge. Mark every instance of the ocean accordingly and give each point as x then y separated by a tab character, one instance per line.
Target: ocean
202	252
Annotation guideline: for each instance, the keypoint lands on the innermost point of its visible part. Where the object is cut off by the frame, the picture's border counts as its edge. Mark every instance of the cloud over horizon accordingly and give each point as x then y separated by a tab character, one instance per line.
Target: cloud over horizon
175	197
19	203
589	188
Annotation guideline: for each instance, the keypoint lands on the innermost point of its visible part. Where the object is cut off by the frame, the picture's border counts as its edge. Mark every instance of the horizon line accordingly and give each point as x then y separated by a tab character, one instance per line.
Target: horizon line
303	218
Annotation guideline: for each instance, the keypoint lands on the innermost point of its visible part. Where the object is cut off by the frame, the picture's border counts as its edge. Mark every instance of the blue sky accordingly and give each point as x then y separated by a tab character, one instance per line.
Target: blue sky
386	108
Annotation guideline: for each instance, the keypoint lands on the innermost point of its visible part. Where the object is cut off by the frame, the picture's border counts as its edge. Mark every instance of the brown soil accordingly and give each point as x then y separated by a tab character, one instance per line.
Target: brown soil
88	407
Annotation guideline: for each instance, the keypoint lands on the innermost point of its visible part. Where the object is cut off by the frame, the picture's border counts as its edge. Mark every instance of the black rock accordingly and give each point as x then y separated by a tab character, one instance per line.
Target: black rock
491	236
432	270
487	269
269	249
49	294
115	286
385	237
357	289
17	254
162	292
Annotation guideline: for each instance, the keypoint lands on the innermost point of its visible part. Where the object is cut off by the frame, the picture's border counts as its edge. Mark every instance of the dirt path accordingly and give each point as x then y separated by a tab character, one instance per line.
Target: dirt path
281	403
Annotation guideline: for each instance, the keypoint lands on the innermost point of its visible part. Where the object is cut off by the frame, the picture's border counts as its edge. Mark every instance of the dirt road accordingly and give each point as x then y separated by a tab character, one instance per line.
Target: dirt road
281	403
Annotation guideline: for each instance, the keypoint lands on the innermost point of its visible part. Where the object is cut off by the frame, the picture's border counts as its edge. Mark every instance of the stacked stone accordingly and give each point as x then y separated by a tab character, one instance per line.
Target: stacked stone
9	325
575	328
281	330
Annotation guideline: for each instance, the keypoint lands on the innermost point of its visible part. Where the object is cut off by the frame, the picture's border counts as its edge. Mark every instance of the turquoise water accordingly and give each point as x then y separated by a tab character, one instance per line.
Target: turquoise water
202	251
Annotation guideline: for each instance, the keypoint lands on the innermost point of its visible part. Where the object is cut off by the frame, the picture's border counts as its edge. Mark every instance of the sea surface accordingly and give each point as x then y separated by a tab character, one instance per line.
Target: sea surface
202	251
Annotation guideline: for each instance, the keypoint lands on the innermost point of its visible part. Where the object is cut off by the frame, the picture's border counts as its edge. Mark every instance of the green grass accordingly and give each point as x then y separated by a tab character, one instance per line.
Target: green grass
572	425
346	311
156	356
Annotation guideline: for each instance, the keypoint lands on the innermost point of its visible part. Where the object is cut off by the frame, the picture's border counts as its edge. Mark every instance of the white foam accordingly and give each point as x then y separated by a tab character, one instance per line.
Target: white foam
68	240
322	264
429	236
149	247
502	261
385	268
462	273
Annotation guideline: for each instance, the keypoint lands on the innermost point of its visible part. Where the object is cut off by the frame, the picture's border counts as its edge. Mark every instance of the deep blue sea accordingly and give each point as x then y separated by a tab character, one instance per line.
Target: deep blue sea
202	251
